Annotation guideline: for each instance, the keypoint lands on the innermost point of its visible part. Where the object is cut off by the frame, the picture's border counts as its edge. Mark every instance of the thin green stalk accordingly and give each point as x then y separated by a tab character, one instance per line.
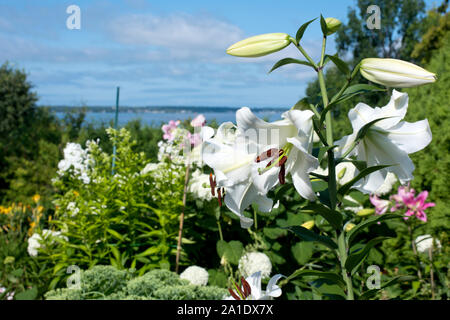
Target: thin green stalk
306	56
411	237
332	188
220	230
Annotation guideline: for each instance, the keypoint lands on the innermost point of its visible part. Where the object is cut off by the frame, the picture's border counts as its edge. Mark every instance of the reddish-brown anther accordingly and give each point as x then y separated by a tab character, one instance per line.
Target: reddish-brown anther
266	154
281	175
246	286
219	196
282	161
212	183
234	295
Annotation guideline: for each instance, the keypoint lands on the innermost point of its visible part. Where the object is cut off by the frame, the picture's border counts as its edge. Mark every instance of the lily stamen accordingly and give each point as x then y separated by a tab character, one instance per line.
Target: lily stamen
266	155
212	184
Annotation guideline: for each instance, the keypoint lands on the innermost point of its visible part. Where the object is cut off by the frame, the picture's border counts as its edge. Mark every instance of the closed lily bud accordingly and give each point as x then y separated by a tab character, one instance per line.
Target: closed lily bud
308	224
349	226
333	25
260	45
365	212
395	73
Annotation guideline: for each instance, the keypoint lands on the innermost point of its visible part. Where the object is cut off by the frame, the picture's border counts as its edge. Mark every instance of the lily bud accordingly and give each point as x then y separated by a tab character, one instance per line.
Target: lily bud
349	226
395	73
308	224
260	45
365	212
333	25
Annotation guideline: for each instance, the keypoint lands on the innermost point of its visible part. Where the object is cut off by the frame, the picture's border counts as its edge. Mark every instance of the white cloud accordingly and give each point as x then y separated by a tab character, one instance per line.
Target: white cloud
182	35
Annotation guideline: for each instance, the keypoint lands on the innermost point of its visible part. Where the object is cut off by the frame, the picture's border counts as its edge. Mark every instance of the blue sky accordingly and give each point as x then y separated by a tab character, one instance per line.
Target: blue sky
160	52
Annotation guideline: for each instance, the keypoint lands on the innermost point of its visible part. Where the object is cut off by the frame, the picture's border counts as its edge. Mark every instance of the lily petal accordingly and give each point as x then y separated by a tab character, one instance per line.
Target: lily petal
411	137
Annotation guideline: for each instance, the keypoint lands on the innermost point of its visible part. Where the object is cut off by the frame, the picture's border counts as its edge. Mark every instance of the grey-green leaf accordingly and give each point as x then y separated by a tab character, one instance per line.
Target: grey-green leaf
341	65
286	61
323	26
354	260
302	30
367	223
307	235
334	218
346	187
336	278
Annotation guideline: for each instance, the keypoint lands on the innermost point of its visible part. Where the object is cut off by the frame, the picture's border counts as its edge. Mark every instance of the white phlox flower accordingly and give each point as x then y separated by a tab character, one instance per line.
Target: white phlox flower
195	275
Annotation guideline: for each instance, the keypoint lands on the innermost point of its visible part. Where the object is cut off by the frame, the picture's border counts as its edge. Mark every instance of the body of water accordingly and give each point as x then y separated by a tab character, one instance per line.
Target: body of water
157	116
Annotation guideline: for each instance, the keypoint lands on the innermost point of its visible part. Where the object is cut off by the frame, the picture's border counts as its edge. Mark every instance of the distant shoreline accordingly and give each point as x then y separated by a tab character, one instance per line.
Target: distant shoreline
156	109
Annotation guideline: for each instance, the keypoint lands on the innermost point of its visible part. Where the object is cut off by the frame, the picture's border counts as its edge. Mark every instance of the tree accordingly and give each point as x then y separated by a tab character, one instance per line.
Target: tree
401	29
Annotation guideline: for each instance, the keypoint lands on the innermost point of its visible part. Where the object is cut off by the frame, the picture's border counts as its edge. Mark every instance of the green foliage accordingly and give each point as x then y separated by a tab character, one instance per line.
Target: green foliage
106	282
21	275
433	164
17	102
400	22
126	219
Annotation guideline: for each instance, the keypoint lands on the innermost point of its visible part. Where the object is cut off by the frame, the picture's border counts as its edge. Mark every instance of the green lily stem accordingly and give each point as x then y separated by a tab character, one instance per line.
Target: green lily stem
220	230
306	56
332	188
342	252
347	83
411	237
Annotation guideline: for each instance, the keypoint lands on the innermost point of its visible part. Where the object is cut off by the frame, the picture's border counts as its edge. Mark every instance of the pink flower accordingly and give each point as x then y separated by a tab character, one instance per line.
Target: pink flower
198	121
169	128
195	139
404	193
381	205
415	206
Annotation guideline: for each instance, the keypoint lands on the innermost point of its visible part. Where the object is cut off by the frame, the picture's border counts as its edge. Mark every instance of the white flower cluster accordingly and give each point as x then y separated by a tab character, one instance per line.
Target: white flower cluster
199	185
72	208
252	262
34	242
77	159
163	174
9	295
195	275
425	243
173	149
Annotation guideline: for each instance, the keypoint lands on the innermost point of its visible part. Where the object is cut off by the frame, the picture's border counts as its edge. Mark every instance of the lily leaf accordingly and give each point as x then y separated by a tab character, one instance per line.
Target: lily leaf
302	30
285	61
395	280
333	217
304	273
363	131
341	65
307	235
323	26
370	221
354	260
346	187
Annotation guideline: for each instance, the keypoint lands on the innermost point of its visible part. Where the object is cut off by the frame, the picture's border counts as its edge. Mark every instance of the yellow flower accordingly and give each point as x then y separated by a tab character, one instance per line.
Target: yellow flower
365	212
40	209
76	193
308	224
349	226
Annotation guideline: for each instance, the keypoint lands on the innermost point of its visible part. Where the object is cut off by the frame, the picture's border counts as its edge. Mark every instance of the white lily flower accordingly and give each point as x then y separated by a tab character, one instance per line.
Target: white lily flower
232	164
395	73
387	142
256	293
283	145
